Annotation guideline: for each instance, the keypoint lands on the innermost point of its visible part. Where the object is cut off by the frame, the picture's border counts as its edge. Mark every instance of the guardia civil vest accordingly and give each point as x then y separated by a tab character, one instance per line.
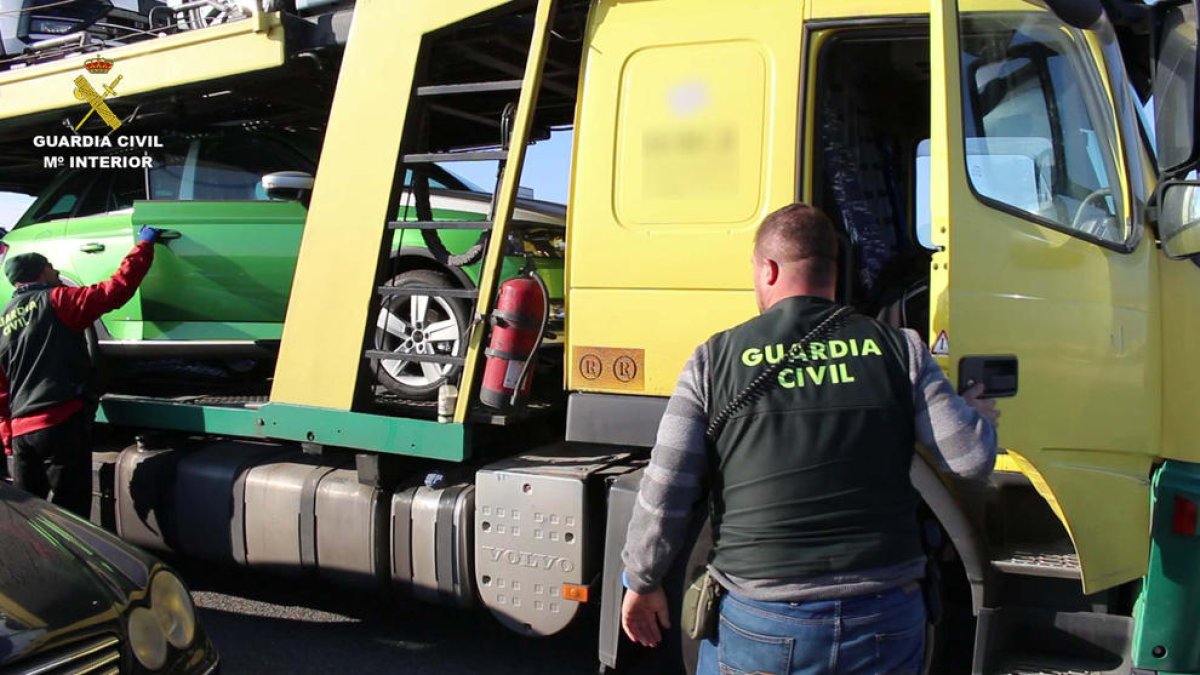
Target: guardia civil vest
813	475
45	361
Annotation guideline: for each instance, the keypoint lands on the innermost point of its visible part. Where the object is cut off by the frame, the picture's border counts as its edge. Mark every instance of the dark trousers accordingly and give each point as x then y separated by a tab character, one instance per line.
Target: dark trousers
57	463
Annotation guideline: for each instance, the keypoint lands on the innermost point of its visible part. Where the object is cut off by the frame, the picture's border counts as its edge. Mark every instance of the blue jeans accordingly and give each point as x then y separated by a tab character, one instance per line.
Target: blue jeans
880	633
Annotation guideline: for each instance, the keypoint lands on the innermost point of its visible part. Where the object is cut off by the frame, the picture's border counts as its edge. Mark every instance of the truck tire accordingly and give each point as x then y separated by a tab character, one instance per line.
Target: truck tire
419	324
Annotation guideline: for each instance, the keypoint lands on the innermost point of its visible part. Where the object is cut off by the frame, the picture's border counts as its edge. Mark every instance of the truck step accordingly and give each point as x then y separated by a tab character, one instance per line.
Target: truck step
1033	664
1031	641
465	156
469	88
434	291
1057	560
440	225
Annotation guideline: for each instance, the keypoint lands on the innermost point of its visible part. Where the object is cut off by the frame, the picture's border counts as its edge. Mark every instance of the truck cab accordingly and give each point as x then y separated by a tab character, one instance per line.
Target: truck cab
992	168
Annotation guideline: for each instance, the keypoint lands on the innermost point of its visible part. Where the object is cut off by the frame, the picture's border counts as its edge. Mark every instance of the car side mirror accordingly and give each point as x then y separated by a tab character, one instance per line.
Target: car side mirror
1179	218
1175	88
1081	14
289	185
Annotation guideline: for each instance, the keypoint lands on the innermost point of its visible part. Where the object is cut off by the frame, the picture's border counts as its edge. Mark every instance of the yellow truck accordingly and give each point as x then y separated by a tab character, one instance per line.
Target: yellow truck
1010	178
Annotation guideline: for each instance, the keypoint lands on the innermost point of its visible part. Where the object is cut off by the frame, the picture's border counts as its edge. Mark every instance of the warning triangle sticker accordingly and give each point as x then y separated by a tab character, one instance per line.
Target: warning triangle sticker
941	346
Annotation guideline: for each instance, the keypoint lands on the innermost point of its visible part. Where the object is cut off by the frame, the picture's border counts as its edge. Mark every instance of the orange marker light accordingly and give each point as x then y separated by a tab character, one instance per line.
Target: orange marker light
575	592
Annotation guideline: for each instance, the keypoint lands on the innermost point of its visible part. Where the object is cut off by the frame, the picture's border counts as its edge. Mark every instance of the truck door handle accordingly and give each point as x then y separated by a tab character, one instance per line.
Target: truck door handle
167	235
998	373
92	248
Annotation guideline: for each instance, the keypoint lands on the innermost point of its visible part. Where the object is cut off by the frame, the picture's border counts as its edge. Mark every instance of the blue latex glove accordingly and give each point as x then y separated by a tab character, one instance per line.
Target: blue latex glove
150	234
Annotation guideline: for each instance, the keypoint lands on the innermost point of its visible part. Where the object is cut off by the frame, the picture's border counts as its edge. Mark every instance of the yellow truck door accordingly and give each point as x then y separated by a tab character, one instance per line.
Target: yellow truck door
685	139
1042	258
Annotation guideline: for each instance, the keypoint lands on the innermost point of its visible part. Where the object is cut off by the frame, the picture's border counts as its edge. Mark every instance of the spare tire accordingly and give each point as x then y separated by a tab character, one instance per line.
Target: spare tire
419	325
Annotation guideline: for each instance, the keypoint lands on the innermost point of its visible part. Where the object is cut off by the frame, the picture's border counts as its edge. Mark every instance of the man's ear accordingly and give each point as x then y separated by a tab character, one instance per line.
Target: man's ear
772	269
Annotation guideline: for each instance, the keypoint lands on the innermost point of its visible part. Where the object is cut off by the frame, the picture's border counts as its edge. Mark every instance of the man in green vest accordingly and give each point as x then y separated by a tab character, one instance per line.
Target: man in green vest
815	532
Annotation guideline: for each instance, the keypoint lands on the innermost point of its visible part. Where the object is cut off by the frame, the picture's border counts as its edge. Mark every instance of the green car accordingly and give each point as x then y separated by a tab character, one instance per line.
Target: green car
219	289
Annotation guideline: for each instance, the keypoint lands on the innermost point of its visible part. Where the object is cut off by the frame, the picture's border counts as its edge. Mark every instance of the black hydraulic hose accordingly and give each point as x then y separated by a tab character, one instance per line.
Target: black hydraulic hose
433	240
512	401
472	255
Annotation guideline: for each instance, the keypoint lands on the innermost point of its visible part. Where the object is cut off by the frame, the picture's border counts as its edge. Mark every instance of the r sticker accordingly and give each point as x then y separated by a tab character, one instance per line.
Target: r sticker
610	368
941	346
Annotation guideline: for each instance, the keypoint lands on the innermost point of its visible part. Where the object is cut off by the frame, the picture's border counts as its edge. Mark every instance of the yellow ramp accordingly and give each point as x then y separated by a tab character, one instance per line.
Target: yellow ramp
323	337
242	46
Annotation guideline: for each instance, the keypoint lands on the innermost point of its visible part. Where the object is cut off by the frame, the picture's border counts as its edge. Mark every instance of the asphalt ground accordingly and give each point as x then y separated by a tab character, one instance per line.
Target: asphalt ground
269	624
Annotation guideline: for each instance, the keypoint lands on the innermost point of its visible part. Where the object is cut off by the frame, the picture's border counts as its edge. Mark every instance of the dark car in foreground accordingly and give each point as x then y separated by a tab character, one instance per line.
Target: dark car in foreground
75	599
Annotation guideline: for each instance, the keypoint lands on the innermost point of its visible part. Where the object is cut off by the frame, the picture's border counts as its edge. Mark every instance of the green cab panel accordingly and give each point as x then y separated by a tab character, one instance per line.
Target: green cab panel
1165	637
232	262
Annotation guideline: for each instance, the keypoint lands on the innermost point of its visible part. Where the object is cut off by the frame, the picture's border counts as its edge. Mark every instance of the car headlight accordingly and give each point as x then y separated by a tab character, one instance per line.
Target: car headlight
146	638
172	606
170	619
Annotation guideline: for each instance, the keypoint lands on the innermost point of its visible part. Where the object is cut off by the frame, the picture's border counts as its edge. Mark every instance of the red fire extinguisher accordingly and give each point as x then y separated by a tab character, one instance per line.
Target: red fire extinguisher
518	325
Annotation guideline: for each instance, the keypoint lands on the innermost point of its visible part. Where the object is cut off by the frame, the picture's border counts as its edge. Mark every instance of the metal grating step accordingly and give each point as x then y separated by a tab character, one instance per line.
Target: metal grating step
440	225
384	355
1019	669
390	403
394	291
1057	560
469	88
251	402
1037	664
466	156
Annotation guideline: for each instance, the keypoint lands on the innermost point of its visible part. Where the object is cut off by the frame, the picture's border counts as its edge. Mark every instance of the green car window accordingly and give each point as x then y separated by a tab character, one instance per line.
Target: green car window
61	202
126	187
113	191
167	175
231	168
95	200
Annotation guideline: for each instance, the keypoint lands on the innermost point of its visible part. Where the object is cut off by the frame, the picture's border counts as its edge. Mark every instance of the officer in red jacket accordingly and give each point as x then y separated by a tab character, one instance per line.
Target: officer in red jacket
45	369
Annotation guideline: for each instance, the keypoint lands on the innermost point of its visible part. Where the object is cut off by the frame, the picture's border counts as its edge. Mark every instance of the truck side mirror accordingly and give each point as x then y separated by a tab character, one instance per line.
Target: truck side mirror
1179	218
1175	88
293	185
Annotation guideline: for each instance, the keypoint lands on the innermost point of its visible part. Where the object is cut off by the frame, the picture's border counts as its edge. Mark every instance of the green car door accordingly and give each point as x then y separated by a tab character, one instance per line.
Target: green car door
225	269
98	238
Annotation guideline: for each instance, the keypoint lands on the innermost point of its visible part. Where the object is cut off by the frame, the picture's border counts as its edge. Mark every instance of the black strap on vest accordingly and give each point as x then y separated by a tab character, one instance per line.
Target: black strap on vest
755	389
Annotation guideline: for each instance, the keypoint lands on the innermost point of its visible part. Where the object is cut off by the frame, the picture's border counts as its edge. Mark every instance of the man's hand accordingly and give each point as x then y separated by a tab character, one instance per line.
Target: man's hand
150	234
642	614
984	406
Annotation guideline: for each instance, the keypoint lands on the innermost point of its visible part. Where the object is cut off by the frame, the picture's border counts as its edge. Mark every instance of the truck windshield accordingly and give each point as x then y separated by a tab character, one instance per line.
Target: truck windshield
1039	123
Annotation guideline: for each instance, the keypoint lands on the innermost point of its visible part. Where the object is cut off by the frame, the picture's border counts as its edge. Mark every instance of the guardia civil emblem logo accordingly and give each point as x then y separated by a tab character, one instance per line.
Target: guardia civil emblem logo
85	91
